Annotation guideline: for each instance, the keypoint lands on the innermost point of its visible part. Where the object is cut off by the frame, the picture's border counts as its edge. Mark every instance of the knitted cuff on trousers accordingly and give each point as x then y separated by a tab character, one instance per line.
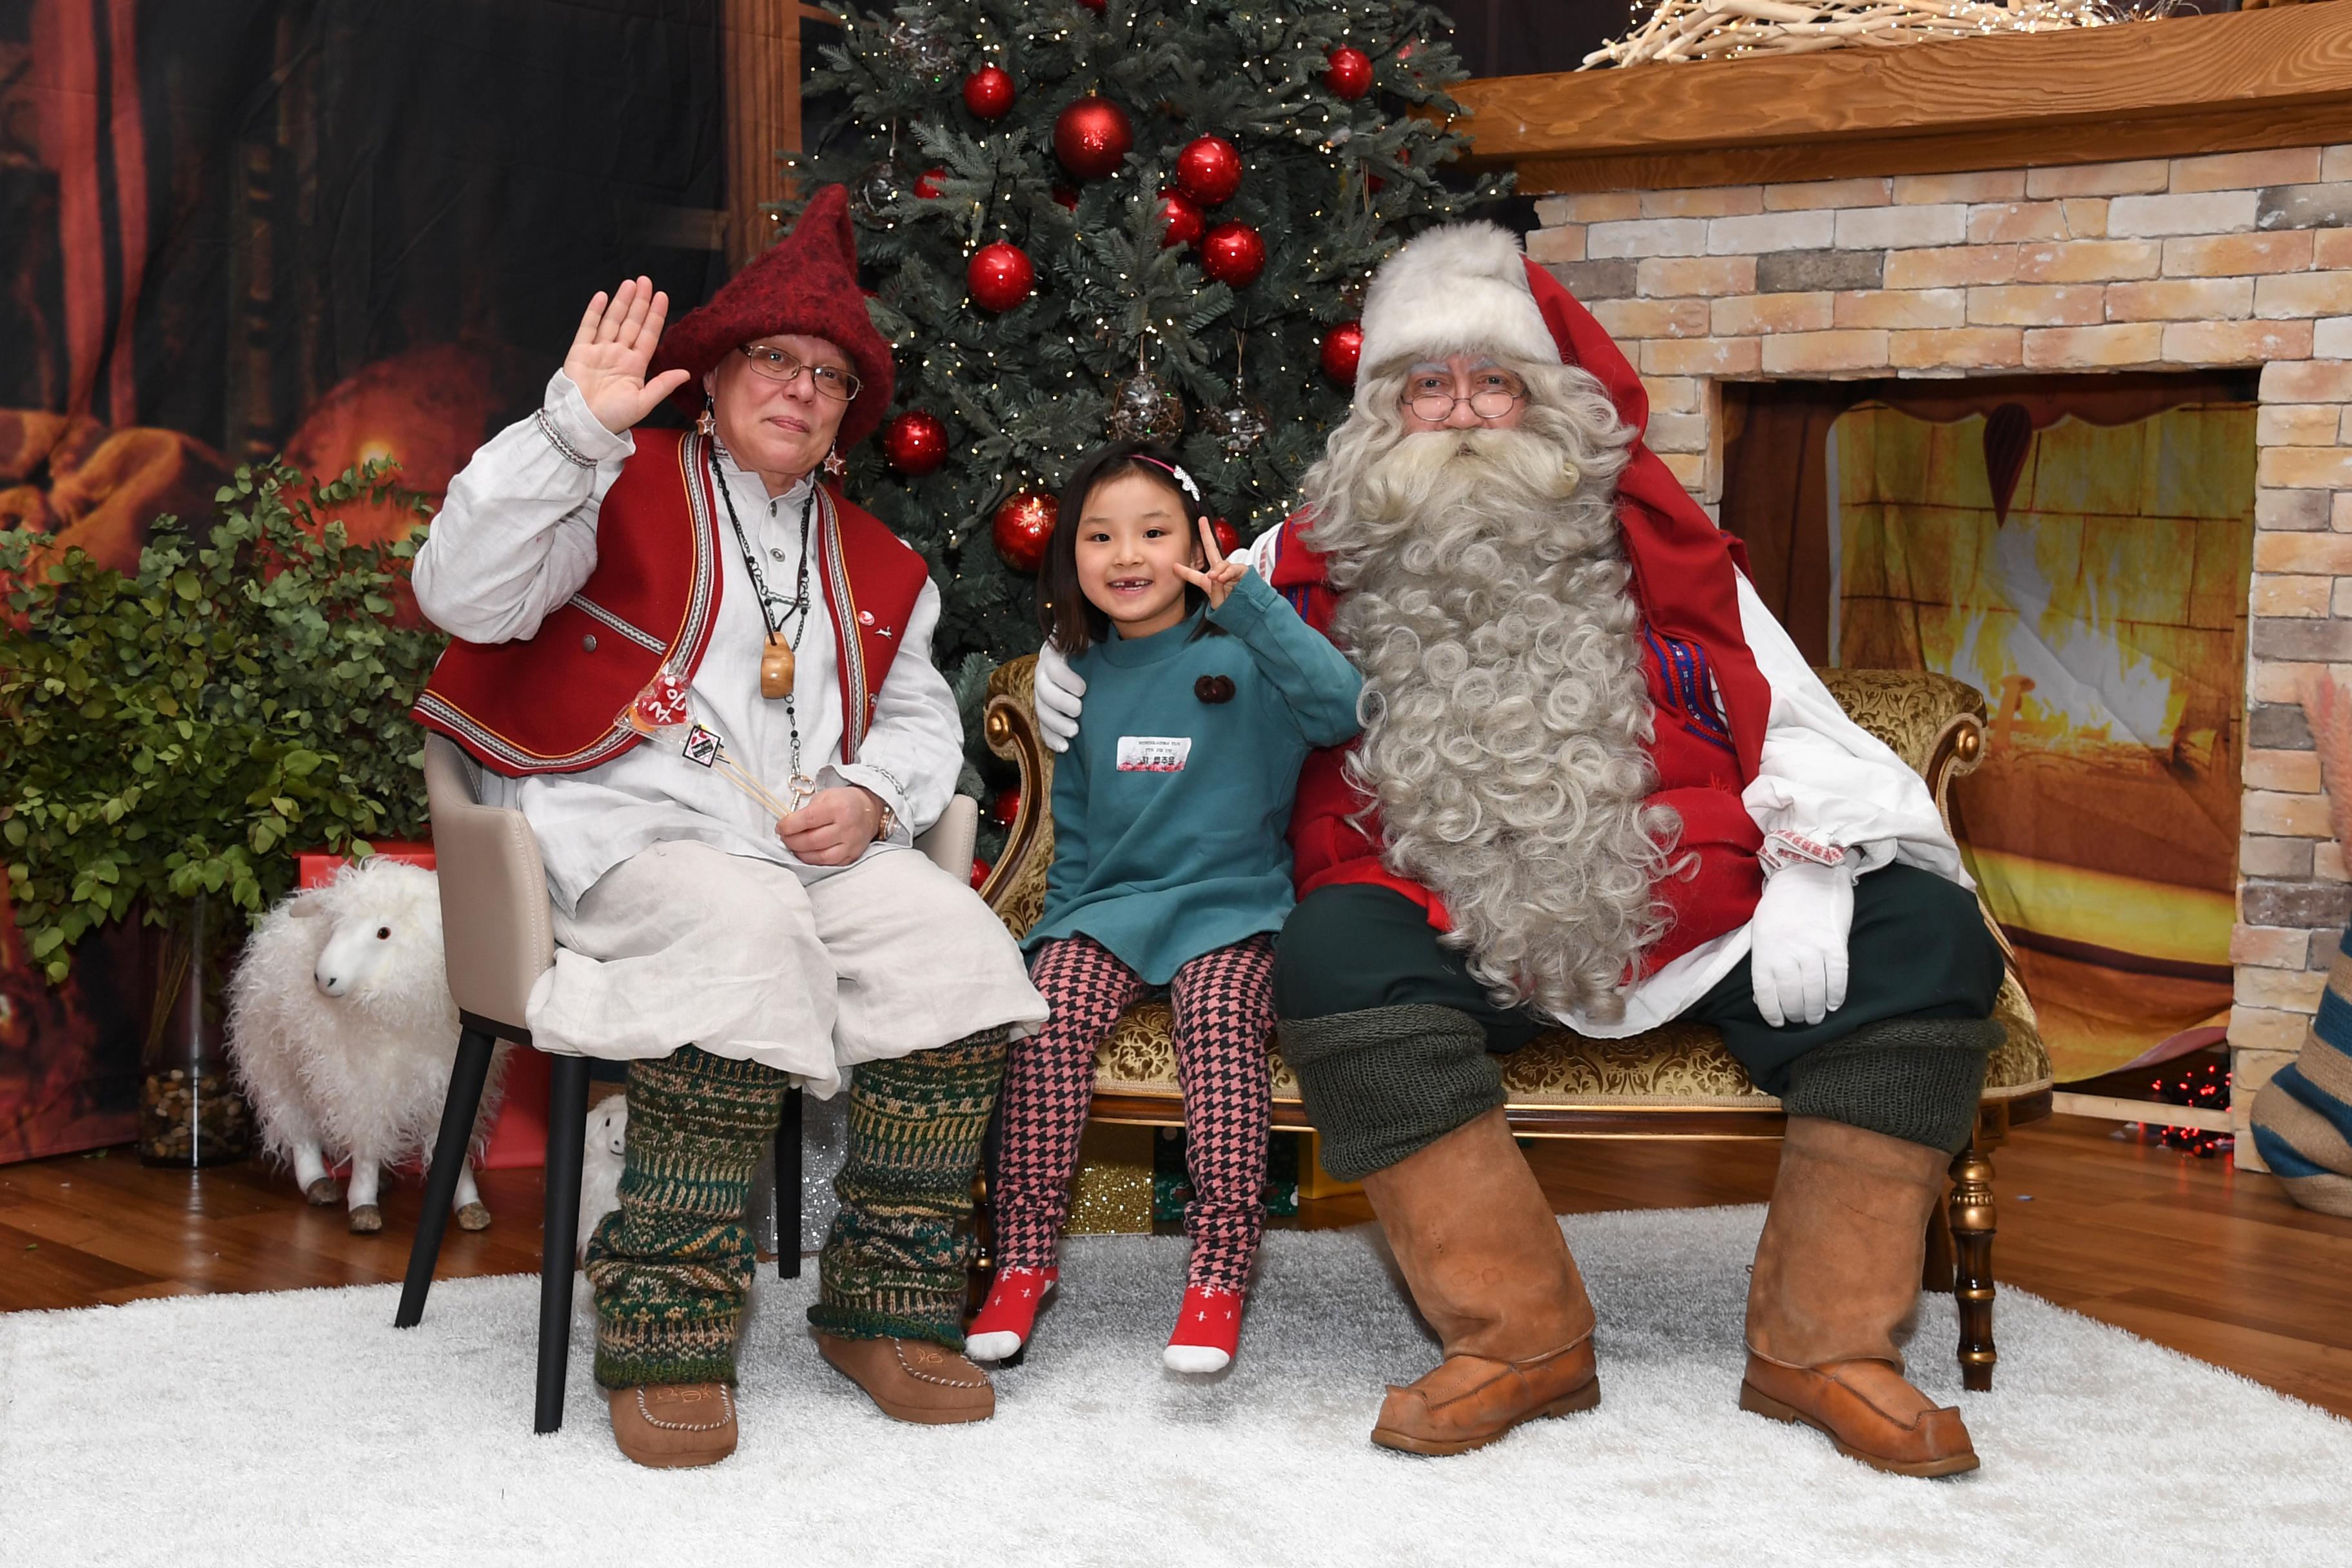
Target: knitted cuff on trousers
1914	1078
1384	1083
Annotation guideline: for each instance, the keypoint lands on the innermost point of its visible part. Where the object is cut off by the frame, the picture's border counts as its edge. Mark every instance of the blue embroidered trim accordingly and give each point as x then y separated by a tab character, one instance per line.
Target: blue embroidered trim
1690	688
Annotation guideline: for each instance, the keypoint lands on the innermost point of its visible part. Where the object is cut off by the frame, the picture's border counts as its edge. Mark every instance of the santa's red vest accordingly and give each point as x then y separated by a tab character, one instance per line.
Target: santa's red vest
1709	705
551	703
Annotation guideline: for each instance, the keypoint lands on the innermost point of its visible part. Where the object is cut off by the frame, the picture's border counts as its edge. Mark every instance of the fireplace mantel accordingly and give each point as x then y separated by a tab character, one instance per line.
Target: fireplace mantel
2275	78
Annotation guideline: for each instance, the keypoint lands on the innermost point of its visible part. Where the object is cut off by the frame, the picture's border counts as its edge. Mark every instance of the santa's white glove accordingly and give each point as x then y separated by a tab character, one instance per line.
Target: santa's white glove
1057	693
1798	942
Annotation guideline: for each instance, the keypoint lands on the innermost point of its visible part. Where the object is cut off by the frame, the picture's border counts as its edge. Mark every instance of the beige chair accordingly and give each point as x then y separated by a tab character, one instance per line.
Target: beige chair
498	935
1673	1082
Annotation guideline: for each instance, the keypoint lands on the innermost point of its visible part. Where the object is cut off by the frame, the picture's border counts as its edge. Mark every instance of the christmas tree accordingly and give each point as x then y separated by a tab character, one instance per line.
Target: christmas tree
1140	217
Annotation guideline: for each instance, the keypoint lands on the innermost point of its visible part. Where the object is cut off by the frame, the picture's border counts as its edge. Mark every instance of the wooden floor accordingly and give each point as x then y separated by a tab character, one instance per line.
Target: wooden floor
2189	1253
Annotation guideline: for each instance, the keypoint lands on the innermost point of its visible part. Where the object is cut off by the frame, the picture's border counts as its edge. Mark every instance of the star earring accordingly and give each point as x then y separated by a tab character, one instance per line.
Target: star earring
706	424
835	465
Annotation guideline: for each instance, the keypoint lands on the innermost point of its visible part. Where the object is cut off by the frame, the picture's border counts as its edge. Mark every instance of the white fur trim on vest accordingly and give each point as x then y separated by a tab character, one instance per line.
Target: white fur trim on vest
1459	288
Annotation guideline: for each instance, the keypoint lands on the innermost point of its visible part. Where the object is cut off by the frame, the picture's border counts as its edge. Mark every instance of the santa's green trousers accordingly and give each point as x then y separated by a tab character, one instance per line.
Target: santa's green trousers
672	1266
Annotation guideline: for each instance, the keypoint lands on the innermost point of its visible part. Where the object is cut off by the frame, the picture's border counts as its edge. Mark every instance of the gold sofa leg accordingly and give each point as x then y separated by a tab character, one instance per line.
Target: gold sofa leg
1971	1223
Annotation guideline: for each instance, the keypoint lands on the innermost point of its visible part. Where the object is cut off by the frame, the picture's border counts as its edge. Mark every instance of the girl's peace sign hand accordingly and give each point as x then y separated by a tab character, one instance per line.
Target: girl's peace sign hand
1219	579
609	355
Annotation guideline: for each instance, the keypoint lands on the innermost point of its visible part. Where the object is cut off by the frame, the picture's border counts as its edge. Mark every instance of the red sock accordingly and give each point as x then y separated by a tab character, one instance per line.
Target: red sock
1005	1323
1208	1329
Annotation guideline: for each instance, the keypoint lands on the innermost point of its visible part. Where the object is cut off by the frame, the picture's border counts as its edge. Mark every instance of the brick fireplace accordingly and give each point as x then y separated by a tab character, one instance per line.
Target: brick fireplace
2200	261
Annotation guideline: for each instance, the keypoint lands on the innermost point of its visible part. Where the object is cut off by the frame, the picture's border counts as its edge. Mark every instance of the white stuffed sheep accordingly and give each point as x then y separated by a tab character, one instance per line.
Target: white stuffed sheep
343	1034
603	1154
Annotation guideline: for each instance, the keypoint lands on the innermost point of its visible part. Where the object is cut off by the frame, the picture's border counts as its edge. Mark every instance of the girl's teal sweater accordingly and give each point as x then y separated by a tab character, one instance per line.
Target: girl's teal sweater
1171	811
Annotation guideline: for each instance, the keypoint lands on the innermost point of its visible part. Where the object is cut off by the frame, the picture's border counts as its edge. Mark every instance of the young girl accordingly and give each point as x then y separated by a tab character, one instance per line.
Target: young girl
1204	693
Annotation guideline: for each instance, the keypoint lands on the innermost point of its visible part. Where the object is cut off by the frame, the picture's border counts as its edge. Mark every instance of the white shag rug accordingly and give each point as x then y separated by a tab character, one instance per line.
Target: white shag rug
302	1429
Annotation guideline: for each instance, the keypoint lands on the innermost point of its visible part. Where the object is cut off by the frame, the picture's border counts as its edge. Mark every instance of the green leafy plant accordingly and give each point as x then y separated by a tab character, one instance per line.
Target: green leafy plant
178	732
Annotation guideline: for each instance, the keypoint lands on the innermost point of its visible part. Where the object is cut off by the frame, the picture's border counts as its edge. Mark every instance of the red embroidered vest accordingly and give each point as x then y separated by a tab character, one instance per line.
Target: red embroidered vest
548	703
1708	702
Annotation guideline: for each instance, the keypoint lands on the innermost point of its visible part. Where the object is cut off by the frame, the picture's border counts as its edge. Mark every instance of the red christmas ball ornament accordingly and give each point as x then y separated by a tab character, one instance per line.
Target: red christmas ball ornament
1021	526
980	870
927	184
1343	346
1208	170
1065	197
1006	806
1000	276
1232	254
1348	72
915	443
1092	137
1229	538
1183	218
988	93
1095	6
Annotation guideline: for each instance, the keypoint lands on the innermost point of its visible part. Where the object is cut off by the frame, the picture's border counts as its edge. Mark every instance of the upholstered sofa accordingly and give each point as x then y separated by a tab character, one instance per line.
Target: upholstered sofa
1671	1082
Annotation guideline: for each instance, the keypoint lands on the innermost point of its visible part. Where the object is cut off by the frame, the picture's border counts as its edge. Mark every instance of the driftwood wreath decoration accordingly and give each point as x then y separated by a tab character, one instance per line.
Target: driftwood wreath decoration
1716	30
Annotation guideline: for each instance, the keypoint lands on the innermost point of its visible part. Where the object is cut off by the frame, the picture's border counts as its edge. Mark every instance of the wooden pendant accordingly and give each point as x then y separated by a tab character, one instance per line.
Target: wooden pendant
775	671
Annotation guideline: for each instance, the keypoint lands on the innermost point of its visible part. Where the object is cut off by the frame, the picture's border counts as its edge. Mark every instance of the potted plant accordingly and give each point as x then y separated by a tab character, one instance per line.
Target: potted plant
166	736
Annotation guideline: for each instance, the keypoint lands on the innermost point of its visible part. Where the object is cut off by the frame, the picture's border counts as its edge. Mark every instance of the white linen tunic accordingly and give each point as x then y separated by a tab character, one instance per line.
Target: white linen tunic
1821	776
638	974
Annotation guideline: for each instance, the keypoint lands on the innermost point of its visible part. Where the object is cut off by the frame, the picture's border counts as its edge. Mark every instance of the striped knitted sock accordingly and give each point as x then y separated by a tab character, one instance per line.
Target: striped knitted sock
2302	1116
893	1267
672	1266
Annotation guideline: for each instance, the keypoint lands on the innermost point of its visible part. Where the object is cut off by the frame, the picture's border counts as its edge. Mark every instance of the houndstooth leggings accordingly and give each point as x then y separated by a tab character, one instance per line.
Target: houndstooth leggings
1225	1010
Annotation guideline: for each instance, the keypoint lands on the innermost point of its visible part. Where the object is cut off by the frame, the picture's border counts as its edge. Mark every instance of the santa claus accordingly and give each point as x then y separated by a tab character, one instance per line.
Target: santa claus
1597	785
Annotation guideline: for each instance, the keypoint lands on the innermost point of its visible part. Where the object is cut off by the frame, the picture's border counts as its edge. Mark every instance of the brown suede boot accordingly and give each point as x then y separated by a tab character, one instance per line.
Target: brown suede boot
674	1426
913	1380
1837	1277
1490	1271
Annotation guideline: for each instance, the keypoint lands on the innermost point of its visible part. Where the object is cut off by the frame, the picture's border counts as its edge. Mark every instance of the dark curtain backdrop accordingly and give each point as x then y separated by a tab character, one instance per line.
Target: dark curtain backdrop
330	228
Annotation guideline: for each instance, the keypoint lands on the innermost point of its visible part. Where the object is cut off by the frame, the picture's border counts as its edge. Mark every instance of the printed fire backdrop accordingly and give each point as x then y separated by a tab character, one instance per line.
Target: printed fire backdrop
333	229
2082	558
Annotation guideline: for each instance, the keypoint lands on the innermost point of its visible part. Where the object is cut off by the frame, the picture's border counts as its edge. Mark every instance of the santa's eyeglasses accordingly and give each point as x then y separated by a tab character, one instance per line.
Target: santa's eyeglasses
777	364
1431	398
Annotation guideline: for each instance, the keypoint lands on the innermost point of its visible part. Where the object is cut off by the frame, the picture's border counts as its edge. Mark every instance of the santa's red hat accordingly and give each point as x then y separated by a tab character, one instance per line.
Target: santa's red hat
806	284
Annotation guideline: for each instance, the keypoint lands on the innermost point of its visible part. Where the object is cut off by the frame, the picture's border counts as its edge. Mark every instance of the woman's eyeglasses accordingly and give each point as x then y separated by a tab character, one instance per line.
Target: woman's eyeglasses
776	365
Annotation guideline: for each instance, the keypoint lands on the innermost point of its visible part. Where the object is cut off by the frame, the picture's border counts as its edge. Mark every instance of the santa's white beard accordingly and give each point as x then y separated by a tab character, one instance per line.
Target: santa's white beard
1486	600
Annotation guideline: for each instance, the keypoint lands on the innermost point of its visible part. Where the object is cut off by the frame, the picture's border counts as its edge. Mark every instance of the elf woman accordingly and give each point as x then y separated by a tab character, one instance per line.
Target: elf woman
1204	694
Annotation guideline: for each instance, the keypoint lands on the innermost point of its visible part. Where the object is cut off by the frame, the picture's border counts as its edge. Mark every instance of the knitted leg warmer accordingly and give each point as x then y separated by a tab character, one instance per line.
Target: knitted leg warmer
1225	1010
893	1267
1049	1081
1387	1082
671	1266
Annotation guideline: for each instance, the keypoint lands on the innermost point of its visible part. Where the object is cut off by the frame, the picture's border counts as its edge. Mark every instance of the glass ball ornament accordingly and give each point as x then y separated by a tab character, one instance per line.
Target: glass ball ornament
875	191
988	93
915	443
1208	170
1343	349
1183	221
1021	527
1092	137
921	42
1232	254
1000	276
1240	425
1348	72
1143	410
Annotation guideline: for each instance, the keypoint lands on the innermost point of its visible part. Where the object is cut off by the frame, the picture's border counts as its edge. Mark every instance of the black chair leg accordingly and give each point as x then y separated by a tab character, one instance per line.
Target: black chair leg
567	1117
467	1076
788	1188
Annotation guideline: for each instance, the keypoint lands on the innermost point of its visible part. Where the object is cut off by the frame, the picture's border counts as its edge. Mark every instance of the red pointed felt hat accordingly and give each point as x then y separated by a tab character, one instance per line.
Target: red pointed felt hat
806	284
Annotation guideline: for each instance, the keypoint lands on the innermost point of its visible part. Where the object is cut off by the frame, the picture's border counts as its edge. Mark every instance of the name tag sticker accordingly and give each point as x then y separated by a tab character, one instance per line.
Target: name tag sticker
1154	754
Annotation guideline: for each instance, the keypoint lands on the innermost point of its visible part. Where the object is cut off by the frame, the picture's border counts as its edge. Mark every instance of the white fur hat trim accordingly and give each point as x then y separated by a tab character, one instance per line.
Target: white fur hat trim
1454	289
